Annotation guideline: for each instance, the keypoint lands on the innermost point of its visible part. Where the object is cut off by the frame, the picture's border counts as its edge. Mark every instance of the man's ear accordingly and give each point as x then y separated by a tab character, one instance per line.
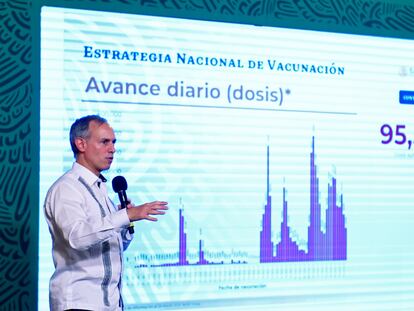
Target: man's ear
80	144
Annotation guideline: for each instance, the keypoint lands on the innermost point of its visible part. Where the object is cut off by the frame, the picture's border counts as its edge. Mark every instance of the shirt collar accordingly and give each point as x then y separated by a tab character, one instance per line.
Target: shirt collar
87	175
102	178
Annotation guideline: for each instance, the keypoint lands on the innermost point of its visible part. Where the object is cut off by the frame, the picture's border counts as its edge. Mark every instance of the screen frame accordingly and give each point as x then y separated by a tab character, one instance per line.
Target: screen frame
384	18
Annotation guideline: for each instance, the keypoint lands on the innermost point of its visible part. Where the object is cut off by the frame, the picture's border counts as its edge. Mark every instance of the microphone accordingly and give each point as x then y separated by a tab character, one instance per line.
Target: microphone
120	185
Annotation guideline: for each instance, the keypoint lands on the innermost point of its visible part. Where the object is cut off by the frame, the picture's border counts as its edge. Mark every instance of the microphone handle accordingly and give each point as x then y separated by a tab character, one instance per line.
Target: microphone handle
121	195
124	202
131	225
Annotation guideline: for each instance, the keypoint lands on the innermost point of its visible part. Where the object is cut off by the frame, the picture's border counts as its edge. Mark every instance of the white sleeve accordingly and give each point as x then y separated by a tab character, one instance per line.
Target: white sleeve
66	210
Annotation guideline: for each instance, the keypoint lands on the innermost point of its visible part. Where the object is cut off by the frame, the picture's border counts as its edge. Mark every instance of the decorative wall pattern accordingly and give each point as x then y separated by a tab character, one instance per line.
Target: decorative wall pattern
17	205
19	99
356	13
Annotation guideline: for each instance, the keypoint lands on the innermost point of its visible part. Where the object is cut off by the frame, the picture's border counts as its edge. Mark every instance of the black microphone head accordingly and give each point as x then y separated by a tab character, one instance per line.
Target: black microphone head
119	183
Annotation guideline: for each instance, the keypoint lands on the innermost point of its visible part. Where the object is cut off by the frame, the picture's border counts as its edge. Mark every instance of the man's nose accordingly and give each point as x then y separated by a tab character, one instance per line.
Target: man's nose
112	148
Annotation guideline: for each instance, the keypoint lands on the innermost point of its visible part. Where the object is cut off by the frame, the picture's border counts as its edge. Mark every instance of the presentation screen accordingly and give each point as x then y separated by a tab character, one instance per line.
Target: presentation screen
286	157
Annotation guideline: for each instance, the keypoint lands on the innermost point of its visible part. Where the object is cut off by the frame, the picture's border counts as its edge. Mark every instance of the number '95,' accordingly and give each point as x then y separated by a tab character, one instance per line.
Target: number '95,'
395	134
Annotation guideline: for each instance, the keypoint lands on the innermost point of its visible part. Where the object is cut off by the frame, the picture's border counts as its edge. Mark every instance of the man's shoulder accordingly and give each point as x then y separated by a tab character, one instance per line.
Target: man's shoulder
67	188
68	179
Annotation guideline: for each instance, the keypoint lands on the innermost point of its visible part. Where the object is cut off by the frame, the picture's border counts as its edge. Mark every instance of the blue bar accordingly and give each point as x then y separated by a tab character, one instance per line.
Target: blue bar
407	97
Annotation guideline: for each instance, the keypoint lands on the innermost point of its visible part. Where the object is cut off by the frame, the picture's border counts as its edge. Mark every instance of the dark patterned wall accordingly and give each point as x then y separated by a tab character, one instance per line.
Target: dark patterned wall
18	202
19	97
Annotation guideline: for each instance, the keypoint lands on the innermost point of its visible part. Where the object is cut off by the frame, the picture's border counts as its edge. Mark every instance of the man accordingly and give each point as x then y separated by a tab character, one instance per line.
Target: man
89	233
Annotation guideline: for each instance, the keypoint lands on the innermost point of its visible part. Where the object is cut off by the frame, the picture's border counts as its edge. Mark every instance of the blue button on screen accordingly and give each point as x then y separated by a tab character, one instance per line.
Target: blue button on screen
407	97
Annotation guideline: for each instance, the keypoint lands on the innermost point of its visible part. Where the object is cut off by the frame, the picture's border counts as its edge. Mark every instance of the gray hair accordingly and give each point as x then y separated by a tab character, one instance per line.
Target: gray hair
80	128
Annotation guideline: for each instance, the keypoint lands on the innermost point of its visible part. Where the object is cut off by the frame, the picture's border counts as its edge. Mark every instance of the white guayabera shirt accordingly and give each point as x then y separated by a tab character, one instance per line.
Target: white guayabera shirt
89	236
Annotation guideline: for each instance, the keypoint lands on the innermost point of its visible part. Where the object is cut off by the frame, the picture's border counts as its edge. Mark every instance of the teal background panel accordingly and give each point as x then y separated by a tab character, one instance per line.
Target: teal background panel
20	85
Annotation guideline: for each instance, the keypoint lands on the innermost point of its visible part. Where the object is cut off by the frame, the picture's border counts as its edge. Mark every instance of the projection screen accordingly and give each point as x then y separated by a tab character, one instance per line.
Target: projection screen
286	157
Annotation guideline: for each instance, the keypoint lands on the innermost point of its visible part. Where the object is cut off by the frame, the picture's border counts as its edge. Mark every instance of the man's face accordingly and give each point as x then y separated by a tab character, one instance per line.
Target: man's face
97	151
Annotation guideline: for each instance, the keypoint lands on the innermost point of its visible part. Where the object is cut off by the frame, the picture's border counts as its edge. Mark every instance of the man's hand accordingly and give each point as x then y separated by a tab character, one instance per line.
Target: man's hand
145	211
